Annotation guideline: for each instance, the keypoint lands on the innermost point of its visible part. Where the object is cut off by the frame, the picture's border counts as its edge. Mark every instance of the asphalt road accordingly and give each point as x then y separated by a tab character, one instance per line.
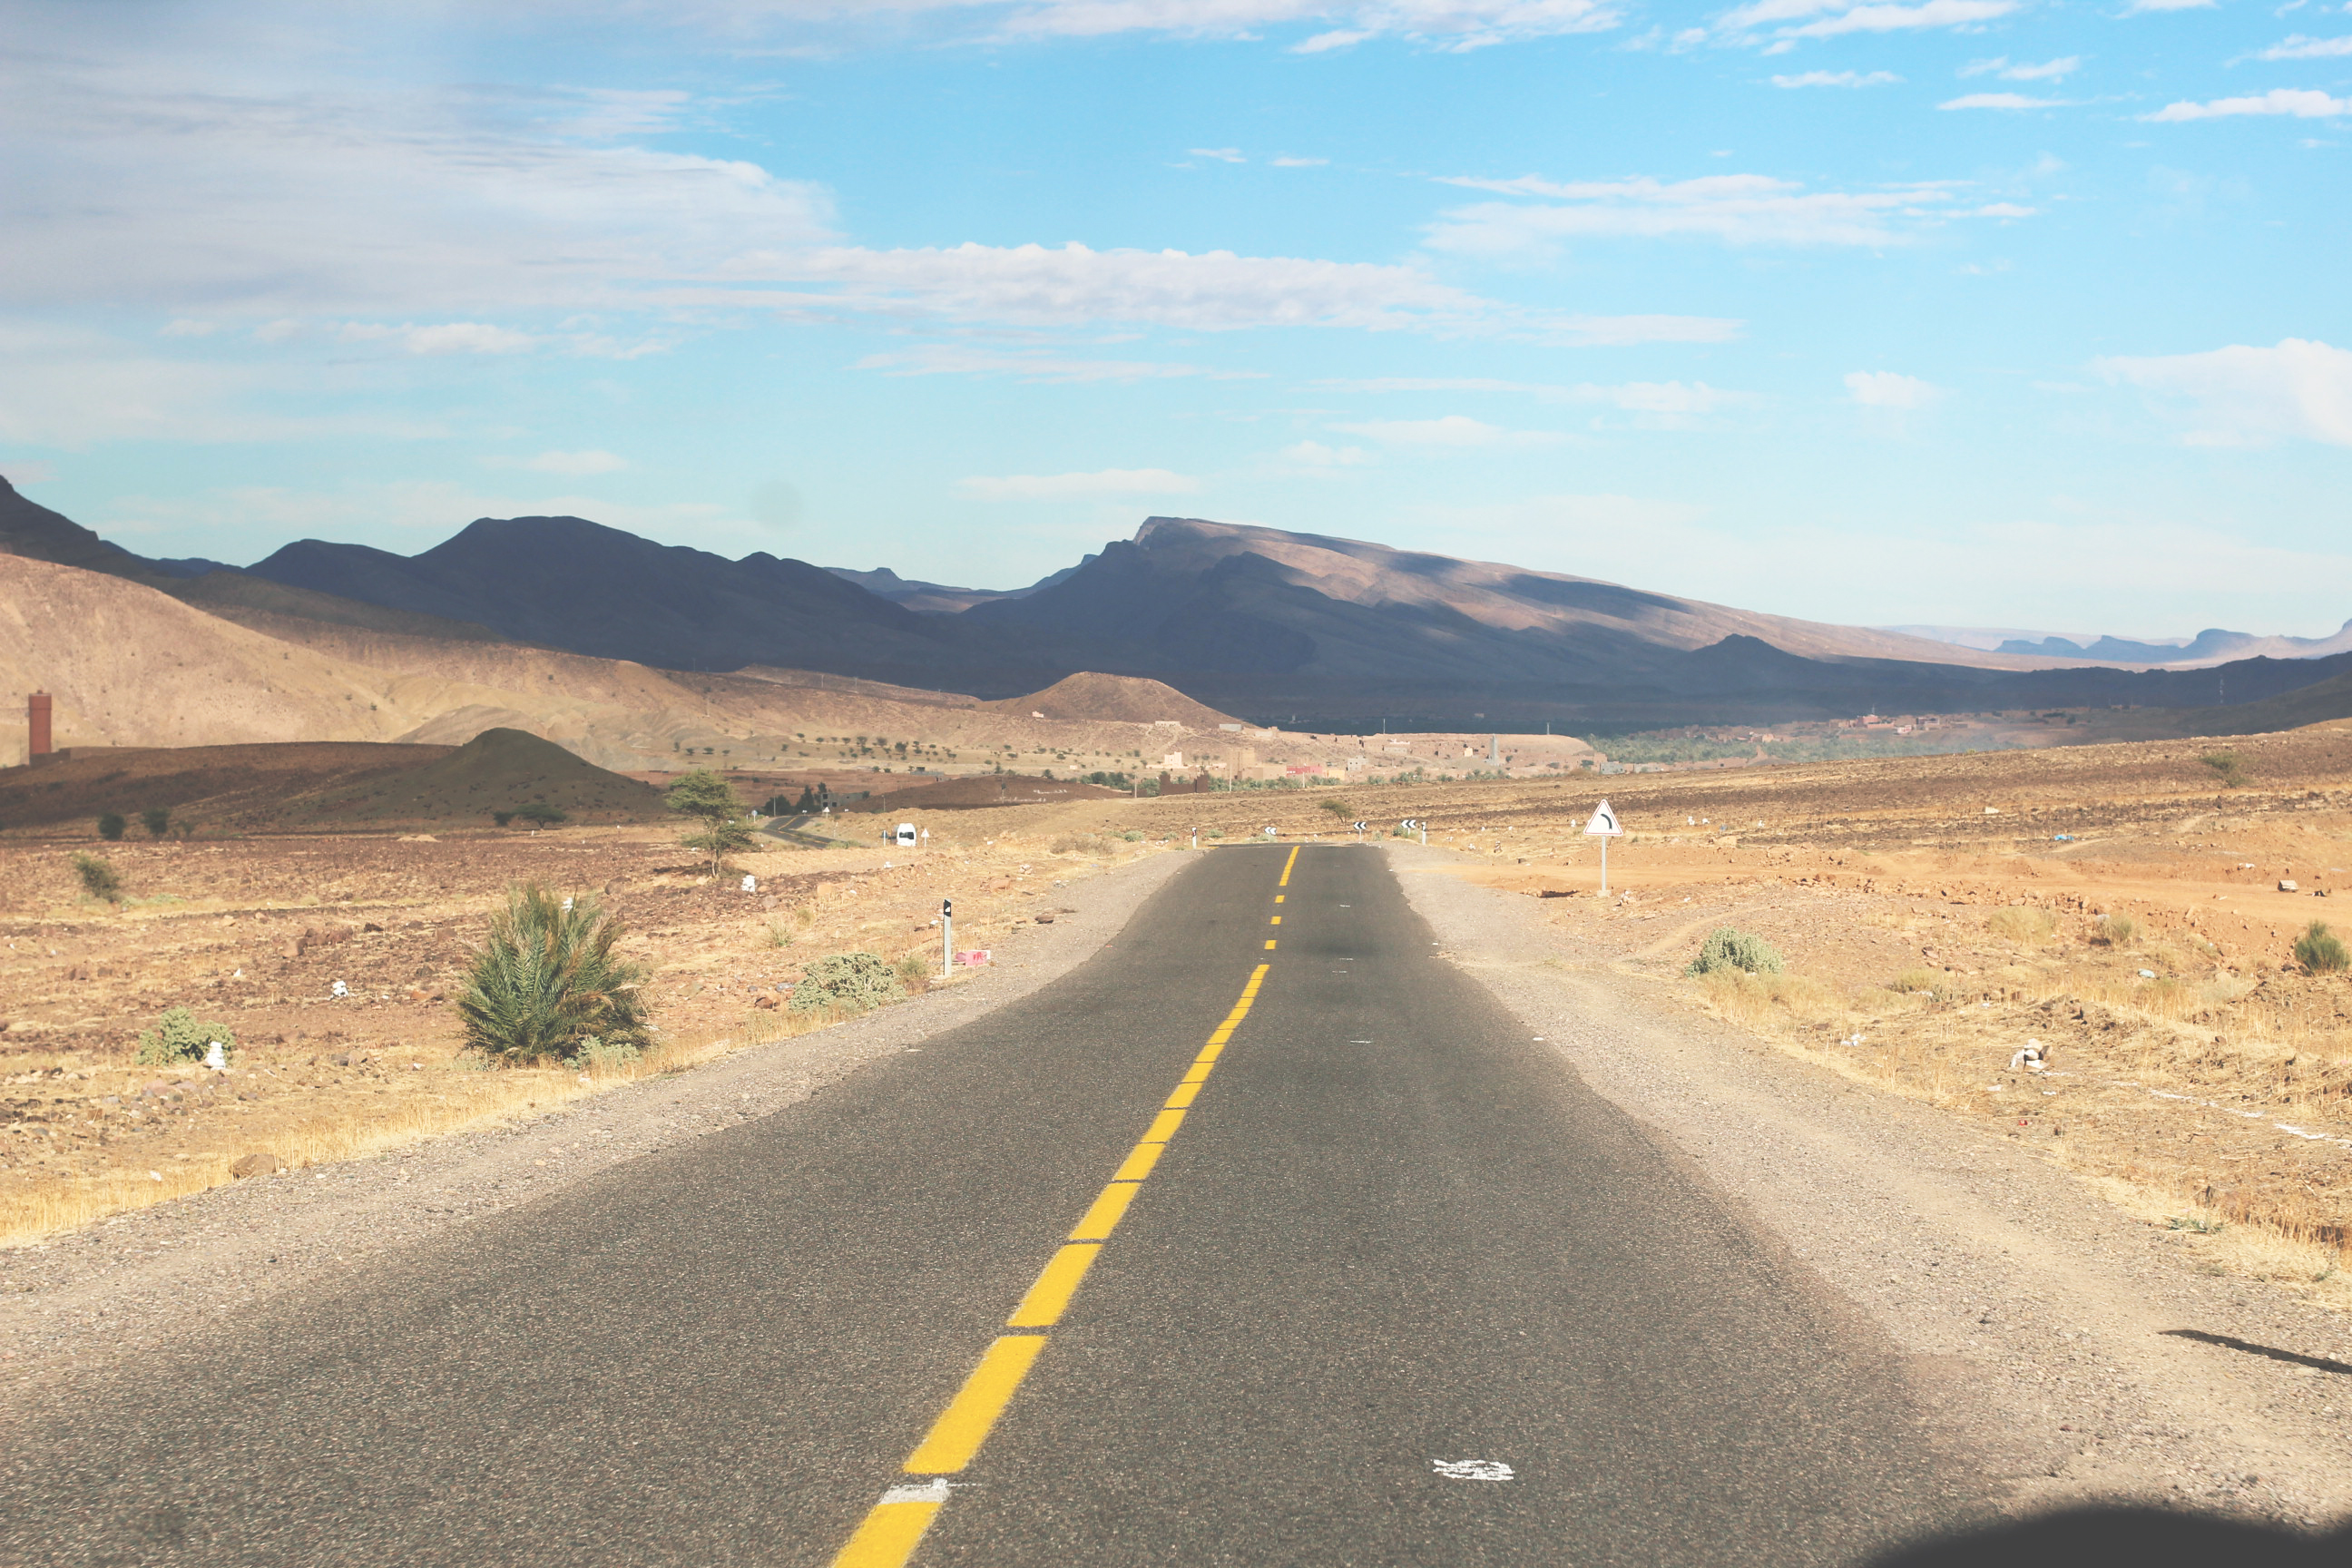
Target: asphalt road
1392	1235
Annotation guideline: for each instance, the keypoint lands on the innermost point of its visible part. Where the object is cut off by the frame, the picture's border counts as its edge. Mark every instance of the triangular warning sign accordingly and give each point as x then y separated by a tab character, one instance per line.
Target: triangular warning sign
1605	822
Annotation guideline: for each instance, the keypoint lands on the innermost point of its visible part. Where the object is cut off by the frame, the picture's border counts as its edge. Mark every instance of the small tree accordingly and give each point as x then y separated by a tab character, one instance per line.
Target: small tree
546	983
179	1035
156	820
539	814
110	825
2228	765
1338	807
710	800
97	877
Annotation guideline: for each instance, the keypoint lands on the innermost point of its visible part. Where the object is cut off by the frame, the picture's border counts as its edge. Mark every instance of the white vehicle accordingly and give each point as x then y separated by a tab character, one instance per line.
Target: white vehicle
905	836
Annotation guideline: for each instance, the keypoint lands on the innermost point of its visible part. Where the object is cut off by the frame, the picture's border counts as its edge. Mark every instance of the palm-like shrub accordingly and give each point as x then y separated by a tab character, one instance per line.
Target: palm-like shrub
179	1035
546	983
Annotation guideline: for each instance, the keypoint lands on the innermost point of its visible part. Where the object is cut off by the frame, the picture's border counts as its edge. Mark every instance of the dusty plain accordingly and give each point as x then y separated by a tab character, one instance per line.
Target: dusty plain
2176	1186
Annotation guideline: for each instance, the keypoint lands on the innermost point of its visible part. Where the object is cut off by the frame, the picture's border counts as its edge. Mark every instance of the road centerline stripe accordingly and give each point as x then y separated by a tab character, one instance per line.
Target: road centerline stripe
893	1528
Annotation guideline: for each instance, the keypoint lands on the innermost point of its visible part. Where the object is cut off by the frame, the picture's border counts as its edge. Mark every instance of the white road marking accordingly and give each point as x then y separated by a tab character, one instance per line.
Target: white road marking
1473	1469
924	1492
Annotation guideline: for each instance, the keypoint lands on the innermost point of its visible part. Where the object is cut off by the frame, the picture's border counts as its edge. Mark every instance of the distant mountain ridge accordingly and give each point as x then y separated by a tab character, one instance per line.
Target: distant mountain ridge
1273	626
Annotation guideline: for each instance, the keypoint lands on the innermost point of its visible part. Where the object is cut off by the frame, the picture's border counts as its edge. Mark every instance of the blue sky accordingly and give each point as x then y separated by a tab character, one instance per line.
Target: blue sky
2004	312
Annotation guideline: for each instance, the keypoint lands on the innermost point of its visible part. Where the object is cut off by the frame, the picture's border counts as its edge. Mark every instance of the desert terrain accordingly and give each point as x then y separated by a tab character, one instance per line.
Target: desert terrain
2121	906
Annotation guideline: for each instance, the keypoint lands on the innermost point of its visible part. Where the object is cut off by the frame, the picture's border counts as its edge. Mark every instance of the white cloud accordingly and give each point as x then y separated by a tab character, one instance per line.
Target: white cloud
442	337
1455	430
230	191
1901	18
1446	24
2018	70
1289	163
70	388
2298	48
27	472
577	464
1030	365
184	327
1634	397
1877	17
1735	209
2304	104
1836	79
2242	396
1069	487
2001	100
1075	285
1886	389
1222	154
2138	6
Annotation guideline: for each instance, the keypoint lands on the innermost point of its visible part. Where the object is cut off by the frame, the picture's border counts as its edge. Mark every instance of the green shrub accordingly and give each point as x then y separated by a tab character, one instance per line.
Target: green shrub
156	820
2230	765
97	877
595	1054
1727	948
2022	923
2320	949
502	817
541	813
2118	930
1916	980
1338	807
179	1035
1133	836
110	825
848	983
914	969
546	981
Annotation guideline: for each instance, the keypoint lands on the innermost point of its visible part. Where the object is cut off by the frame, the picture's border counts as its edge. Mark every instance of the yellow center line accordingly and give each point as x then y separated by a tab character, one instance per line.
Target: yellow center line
893	1528
1286	865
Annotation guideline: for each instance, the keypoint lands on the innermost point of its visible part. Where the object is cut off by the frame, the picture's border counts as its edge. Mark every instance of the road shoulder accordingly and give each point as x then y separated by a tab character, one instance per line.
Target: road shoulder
2061	1337
95	1297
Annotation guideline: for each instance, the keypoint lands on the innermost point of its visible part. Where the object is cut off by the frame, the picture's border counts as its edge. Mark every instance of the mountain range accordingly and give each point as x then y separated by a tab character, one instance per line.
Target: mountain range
1328	633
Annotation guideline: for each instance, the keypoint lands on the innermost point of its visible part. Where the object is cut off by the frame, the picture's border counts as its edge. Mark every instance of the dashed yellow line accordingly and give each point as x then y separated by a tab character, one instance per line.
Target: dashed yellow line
893	1528
1286	865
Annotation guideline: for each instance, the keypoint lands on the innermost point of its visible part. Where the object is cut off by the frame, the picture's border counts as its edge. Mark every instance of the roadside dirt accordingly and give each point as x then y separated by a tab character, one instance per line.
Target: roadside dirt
2083	1355
108	1290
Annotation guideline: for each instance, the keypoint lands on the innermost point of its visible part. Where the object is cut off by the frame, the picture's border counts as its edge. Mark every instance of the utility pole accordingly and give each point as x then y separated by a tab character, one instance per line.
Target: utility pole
947	938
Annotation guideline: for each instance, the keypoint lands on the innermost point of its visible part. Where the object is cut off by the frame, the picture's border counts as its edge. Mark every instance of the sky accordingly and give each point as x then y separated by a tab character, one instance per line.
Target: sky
2026	313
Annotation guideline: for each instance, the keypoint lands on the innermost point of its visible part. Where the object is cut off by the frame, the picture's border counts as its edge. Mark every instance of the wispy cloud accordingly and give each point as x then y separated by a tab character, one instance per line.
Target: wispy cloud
2303	104
1788	20
1077	487
1734	209
2020	70
1634	396
1034	366
2138	8
1222	154
1836	79
1455	431
2298	48
1286	162
2003	101
1886	389
1453	25
2242	396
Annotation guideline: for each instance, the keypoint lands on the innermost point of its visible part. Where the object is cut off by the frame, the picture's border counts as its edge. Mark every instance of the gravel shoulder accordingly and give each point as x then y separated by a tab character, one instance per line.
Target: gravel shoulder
162	1275
2080	1354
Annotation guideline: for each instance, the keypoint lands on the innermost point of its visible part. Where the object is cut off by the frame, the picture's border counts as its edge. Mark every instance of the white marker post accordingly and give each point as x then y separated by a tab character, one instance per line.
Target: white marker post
1604	828
947	938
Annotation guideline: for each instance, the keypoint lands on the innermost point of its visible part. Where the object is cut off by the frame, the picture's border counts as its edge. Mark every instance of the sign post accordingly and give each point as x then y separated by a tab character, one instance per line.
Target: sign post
947	938
1604	828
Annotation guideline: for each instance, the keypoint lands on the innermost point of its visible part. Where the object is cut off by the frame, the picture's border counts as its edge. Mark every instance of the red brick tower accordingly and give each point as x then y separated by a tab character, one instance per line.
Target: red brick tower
37	718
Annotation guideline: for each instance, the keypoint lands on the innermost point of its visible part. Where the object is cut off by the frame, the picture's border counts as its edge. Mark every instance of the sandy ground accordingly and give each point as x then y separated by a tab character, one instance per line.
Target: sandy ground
102	1293
2099	1357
